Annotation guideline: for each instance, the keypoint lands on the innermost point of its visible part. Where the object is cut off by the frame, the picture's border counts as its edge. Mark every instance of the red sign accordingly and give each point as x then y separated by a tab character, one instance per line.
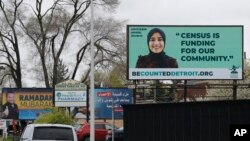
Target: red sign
118	110
104	94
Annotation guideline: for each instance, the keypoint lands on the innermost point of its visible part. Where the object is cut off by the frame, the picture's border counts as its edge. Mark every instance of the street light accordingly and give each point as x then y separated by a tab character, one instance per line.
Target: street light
92	77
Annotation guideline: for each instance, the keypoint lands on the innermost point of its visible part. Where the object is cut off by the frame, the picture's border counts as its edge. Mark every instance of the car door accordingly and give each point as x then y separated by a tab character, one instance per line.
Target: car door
100	132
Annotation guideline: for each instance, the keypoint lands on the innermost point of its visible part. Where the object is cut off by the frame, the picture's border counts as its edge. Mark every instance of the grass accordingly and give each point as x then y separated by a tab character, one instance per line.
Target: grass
10	138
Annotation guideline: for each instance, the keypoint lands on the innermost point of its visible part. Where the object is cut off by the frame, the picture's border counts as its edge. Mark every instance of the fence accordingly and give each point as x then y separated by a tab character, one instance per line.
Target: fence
196	91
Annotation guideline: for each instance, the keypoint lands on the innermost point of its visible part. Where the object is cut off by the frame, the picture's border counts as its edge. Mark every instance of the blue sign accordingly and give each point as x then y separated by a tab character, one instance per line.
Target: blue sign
105	99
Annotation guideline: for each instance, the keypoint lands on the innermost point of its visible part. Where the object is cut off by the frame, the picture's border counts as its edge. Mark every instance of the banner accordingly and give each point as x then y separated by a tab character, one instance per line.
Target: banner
29	103
185	52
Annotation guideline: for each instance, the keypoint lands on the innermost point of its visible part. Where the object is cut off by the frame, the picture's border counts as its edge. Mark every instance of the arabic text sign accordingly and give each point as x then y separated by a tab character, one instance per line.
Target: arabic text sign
106	98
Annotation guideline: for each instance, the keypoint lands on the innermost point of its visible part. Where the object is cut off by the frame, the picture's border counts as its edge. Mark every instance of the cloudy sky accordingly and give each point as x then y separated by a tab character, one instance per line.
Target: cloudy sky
188	12
185	12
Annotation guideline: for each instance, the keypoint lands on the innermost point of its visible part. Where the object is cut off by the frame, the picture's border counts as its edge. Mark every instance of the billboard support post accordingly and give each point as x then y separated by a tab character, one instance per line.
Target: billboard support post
88	103
113	119
234	89
155	91
185	90
134	91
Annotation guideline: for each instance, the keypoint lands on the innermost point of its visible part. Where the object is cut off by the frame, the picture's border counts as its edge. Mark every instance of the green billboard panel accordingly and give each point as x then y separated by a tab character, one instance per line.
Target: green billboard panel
185	52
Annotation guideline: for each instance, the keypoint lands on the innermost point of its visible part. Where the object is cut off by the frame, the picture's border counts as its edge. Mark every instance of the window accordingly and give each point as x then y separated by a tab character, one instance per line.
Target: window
53	133
110	127
99	126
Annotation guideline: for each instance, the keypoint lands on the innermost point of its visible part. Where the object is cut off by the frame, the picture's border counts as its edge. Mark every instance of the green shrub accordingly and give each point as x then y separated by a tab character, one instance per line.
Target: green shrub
56	115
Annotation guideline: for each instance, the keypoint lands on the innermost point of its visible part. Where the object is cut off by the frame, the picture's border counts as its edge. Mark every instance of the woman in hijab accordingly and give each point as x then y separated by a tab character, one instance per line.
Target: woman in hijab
156	58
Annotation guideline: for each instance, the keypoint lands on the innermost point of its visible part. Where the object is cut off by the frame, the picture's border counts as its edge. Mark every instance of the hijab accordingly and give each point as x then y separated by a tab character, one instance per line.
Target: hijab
157	57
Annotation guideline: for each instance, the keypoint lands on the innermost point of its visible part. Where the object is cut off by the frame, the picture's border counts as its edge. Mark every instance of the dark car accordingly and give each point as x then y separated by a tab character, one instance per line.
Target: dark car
101	131
118	135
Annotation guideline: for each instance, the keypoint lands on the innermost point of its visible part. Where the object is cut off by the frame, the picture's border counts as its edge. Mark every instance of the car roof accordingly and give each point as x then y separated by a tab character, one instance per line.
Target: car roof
50	125
97	123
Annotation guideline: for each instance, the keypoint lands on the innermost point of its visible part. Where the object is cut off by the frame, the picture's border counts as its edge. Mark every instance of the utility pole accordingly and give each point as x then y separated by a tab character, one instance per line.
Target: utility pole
92	78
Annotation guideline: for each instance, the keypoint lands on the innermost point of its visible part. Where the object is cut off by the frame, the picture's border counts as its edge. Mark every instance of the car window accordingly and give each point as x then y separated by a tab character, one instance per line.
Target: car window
110	127
77	126
99	126
53	133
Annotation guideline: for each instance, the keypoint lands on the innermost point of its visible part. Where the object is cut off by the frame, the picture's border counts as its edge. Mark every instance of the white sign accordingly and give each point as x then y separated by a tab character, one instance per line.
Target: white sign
72	98
70	93
2	124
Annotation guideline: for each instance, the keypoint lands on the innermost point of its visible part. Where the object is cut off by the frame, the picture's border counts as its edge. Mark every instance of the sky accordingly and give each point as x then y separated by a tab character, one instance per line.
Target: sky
188	12
185	12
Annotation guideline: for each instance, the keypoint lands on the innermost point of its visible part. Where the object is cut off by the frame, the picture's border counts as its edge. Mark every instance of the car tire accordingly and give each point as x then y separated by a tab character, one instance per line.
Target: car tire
86	139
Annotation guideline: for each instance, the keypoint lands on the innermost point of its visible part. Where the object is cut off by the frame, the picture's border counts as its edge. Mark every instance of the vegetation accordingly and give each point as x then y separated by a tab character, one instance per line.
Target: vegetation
52	39
10	138
56	115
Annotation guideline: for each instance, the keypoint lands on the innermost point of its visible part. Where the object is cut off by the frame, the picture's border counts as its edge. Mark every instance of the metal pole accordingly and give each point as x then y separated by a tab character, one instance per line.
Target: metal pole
234	89
113	119
134	90
88	103
92	98
185	91
155	89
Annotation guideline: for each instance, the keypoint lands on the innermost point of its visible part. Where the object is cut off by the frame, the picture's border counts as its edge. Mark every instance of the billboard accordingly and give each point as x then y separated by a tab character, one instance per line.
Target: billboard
105	99
185	52
26	103
70	93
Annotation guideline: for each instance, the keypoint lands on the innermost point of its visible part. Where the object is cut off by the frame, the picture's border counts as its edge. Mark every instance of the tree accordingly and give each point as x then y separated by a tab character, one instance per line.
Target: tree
116	77
9	39
62	72
51	30
109	45
54	30
225	92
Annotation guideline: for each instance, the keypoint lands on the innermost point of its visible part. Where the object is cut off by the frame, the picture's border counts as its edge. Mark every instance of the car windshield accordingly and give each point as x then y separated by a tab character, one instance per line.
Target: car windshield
77	126
110	127
53	133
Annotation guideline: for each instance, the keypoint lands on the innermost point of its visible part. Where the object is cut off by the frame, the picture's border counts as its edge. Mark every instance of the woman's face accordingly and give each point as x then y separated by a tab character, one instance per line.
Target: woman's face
156	43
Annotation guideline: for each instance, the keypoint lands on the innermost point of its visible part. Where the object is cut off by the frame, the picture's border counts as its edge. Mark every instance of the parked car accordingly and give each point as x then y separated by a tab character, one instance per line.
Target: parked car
101	131
118	135
48	132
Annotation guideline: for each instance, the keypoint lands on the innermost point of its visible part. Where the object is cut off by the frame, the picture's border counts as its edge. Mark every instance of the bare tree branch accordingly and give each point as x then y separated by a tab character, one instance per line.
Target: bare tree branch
9	39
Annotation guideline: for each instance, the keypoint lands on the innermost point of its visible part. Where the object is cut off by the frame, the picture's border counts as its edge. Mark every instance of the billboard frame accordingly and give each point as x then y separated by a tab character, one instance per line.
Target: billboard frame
241	75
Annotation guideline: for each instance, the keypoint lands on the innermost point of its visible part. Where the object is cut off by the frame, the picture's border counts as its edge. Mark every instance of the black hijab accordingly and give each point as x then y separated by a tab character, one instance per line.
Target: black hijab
157	57
156	30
